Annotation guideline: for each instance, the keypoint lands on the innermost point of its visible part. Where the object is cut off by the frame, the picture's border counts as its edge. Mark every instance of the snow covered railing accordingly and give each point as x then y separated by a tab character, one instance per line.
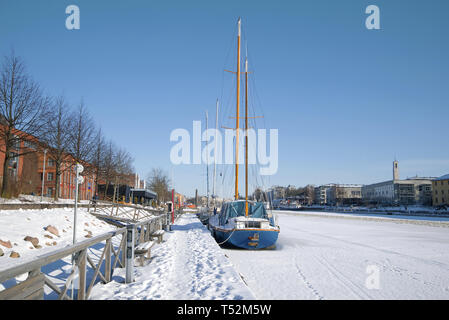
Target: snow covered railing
123	212
112	256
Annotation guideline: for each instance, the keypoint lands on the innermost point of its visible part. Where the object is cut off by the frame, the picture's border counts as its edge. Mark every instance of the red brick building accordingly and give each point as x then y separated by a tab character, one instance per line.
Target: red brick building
26	171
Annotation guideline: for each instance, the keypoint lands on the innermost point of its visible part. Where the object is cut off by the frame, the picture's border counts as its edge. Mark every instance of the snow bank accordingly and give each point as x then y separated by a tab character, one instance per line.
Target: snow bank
26	198
15	225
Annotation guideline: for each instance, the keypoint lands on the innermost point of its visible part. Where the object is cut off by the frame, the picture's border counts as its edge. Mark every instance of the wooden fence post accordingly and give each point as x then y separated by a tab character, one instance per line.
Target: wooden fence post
142	234
81	262
107	261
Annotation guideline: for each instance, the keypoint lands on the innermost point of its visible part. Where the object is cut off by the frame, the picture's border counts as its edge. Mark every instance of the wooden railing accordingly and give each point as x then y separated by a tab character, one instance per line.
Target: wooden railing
122	212
113	256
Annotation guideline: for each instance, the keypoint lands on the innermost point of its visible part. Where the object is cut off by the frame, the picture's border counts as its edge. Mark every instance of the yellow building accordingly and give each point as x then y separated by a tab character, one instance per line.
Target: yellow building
440	191
179	200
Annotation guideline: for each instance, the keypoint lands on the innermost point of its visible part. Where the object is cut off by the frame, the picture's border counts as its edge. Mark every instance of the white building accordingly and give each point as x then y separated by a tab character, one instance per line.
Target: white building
417	190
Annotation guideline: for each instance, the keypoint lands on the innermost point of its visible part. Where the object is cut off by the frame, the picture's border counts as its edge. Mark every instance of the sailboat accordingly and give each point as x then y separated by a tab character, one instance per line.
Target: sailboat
204	213
243	223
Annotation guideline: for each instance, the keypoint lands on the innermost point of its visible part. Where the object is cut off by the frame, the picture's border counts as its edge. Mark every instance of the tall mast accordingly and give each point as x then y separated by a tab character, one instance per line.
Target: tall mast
237	116
215	151
207	163
246	136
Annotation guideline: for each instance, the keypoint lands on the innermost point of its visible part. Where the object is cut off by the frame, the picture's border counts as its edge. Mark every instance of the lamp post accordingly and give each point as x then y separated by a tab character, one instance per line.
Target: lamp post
79	179
173	206
43	175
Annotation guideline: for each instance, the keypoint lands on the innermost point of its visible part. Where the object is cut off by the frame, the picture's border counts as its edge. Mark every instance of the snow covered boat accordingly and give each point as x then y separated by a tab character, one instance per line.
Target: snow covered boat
204	215
255	230
243	223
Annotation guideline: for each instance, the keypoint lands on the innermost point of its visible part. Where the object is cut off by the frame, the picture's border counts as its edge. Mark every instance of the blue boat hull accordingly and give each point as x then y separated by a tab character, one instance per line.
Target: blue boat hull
247	239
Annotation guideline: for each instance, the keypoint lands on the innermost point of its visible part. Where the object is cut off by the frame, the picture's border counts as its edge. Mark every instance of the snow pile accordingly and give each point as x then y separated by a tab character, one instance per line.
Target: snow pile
26	198
16	225
187	265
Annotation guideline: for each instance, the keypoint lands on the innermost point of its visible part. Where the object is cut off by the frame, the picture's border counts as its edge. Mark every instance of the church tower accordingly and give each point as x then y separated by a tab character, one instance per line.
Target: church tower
395	170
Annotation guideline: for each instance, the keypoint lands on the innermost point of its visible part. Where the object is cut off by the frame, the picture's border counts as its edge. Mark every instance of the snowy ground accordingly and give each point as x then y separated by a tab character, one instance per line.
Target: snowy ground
25	198
15	225
319	255
327	256
187	265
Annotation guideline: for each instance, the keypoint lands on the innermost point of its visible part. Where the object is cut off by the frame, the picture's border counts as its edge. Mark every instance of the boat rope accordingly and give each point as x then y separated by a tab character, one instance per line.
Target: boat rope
220	243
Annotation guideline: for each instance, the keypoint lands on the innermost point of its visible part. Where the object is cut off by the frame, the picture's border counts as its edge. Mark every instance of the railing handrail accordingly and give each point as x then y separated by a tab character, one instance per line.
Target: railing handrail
58	254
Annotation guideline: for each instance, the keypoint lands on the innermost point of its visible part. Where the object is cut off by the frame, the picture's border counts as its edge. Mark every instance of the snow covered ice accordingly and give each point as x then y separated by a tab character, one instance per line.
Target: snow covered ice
331	256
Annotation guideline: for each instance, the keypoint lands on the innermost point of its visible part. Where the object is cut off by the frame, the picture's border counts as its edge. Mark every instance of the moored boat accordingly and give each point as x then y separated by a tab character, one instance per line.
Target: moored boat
257	230
243	223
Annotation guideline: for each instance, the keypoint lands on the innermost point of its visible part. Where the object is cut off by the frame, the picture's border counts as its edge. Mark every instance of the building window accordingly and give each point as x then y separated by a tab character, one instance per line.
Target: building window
29	144
16	143
49	192
51	162
50	176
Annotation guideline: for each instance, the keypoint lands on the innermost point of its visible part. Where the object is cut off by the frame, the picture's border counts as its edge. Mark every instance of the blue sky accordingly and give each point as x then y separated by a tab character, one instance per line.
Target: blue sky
346	100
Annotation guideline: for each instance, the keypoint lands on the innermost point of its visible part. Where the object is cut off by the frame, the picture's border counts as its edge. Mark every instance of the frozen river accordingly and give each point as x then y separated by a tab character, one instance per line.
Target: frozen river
320	256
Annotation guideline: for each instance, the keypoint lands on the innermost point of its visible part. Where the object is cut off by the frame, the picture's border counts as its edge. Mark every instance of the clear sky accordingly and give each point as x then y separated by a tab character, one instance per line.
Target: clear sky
346	100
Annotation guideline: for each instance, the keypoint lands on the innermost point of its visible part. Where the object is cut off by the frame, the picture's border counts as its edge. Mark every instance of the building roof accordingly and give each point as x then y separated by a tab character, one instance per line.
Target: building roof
445	177
144	190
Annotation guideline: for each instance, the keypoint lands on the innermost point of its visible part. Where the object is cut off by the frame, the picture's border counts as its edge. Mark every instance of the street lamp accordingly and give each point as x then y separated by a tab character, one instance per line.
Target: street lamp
79	179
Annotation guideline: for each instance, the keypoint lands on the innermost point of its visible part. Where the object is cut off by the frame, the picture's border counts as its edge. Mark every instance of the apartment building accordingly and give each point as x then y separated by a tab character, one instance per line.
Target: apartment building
26	171
410	191
440	191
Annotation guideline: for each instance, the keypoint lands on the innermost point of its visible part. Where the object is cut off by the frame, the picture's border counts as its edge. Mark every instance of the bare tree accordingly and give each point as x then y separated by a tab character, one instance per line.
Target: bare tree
258	194
82	138
309	192
22	107
160	183
123	169
98	157
57	138
108	166
30	179
83	133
